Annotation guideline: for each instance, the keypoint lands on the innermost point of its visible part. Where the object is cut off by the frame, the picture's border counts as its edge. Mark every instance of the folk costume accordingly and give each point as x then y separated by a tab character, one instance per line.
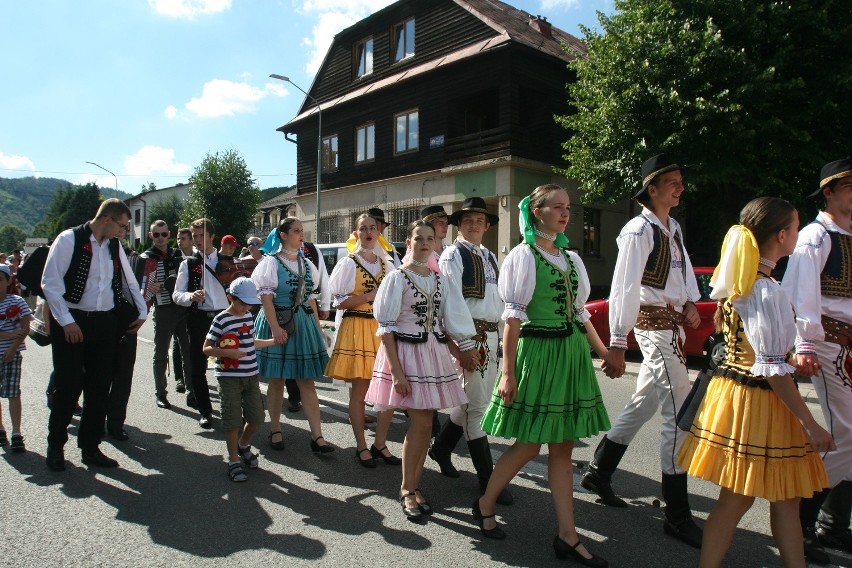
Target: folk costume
558	395
356	344
744	438
819	281
421	312
304	355
652	282
473	269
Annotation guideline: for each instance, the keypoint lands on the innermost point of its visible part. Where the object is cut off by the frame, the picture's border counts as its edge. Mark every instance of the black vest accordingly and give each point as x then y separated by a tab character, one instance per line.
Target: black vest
836	277
81	261
473	272
659	262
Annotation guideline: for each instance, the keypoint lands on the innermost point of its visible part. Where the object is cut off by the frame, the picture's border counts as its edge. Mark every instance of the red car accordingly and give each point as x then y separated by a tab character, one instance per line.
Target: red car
699	342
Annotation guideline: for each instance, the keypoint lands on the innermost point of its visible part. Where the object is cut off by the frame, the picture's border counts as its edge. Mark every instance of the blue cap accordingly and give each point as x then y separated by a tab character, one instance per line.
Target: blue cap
4	268
244	289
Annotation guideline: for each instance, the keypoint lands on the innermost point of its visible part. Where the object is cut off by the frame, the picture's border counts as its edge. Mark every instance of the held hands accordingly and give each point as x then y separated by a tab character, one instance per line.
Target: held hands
401	384
508	389
613	364
820	439
278	334
469	359
806	364
691	318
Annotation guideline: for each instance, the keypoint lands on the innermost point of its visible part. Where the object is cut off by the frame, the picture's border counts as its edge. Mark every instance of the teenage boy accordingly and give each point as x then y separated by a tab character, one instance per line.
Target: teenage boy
15	318
654	293
198	289
231	340
819	282
182	384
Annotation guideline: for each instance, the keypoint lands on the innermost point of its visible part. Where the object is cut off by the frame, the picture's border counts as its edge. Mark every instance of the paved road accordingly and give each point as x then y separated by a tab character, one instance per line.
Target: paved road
171	503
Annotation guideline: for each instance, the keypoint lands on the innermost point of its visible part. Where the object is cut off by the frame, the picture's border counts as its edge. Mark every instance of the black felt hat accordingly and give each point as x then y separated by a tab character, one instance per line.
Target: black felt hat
831	171
657	165
378	215
473	205
432	212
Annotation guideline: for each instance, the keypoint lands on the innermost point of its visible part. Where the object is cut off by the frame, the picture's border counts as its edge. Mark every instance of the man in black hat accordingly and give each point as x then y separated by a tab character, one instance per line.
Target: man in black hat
472	268
437	216
819	282
379	216
653	290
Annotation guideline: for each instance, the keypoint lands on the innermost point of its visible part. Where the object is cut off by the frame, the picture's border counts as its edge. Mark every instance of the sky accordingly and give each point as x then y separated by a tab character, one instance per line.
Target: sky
147	88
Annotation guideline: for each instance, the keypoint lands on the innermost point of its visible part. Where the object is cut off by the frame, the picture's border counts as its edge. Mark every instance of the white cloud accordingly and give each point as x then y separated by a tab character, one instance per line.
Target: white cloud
189	8
334	16
170	112
153	159
221	97
100	181
15	162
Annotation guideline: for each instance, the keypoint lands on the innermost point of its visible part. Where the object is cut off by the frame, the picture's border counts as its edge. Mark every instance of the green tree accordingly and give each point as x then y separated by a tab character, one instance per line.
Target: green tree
149	187
169	210
71	206
752	95
11	237
224	191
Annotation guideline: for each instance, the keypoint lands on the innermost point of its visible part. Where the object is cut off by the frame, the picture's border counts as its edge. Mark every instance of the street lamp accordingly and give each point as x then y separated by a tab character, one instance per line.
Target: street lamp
319	146
107	171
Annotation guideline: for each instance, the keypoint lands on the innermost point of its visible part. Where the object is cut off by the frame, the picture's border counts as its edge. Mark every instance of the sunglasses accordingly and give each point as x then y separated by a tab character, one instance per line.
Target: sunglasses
254	244
158	235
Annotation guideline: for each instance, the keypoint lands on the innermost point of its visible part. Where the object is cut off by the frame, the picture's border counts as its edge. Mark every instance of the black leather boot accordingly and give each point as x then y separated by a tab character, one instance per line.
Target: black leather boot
443	446
598	476
833	525
808	511
480	455
679	523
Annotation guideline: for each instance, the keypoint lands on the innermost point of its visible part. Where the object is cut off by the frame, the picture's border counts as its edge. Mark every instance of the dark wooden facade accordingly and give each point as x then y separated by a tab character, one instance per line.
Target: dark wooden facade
481	105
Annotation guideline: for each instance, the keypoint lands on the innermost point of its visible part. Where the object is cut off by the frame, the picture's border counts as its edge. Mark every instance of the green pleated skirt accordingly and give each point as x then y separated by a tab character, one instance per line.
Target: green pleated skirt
558	394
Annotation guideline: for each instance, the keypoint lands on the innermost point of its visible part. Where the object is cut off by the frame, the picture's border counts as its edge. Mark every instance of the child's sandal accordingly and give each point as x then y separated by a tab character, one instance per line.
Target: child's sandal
236	473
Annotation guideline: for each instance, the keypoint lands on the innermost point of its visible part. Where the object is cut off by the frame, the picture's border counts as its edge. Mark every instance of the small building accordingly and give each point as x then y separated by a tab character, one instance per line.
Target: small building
142	203
271	211
432	101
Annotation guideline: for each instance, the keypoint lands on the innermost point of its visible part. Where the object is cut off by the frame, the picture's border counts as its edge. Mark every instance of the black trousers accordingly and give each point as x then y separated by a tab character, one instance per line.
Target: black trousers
122	379
293	394
197	325
85	368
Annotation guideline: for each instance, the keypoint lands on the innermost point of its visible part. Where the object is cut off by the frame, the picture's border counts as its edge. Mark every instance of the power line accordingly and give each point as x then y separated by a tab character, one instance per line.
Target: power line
124	175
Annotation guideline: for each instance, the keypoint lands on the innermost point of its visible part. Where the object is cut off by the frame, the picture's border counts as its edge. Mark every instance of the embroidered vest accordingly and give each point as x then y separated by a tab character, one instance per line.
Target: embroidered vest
551	309
836	277
364	284
81	261
659	262
473	272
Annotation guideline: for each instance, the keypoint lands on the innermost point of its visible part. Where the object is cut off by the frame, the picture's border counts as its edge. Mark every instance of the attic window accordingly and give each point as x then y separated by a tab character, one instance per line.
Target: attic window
364	57
403	40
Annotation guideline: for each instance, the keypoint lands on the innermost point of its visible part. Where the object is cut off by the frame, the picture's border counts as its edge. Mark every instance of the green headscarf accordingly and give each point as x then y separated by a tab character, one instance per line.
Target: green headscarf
528	227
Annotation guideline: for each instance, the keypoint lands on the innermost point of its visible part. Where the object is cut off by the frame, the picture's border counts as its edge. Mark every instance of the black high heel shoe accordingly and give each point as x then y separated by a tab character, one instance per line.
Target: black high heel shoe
324	449
424	507
564	551
496	533
378	455
369	463
413	513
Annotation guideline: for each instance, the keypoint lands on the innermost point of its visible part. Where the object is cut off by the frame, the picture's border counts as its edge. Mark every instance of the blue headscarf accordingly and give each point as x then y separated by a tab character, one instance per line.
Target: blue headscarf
528	226
272	244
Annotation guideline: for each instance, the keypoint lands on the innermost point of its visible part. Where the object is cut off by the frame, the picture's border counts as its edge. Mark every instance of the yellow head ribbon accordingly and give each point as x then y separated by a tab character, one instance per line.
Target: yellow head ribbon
737	269
352	243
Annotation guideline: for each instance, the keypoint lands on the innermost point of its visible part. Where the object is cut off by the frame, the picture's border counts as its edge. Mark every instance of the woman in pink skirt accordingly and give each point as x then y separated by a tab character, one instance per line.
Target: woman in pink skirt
414	369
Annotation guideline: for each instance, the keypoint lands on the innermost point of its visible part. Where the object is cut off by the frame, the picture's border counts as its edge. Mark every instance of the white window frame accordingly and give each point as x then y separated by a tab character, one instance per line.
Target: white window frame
403	35
363	57
365	143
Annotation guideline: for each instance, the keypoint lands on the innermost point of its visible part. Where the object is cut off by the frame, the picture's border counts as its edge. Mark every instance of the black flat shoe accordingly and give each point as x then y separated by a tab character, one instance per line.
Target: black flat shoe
55	459
324	449
369	463
163	402
378	455
205	421
413	513
191	402
424	507
496	533
96	457
276	445
118	434
565	551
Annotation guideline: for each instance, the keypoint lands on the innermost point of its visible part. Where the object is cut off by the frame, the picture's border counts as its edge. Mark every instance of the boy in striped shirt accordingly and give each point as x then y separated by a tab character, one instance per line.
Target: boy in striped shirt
231	341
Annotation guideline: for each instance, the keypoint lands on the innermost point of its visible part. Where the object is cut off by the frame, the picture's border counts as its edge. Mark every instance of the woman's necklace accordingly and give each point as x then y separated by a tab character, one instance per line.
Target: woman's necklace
290	252
420	264
545	236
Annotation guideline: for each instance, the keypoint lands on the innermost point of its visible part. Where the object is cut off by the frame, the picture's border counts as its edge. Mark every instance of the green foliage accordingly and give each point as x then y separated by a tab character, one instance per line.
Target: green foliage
149	187
11	238
71	206
169	210
270	192
223	191
753	96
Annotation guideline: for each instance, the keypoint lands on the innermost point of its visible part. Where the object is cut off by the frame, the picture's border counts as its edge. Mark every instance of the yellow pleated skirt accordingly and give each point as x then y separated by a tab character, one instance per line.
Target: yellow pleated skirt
354	350
746	440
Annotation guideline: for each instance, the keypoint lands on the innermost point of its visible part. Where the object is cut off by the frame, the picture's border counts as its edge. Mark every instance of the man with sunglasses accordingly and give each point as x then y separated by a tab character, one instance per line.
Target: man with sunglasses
169	318
254	248
82	281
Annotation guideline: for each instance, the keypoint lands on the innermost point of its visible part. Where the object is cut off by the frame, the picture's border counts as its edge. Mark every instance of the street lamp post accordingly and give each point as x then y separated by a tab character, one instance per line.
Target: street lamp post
319	147
107	171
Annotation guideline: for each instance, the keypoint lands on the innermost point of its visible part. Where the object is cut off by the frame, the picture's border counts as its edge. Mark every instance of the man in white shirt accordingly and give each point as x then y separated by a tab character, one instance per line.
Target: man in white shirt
654	290
818	280
83	278
198	289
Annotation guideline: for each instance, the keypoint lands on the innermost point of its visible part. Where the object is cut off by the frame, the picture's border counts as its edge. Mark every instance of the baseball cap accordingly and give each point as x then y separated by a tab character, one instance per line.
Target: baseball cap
229	240
4	268
244	290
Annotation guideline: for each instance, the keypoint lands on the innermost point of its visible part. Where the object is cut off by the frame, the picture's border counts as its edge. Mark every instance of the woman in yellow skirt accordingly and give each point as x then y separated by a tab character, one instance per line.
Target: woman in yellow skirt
353	283
753	435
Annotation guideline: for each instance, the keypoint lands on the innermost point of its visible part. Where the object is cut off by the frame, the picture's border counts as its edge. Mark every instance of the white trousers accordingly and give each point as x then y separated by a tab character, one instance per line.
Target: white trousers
833	387
478	385
663	382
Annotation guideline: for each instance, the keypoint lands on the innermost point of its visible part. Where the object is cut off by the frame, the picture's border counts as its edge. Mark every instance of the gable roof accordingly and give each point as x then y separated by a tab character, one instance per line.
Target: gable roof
510	24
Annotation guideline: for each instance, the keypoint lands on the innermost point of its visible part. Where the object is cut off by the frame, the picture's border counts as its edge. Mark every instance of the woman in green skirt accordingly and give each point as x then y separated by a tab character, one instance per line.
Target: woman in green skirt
547	392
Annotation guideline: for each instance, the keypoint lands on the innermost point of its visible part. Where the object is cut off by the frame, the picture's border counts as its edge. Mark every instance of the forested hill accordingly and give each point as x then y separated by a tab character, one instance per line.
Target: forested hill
25	201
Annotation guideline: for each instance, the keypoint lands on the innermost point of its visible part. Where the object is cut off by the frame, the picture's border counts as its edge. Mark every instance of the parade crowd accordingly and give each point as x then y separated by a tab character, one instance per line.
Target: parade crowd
505	349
